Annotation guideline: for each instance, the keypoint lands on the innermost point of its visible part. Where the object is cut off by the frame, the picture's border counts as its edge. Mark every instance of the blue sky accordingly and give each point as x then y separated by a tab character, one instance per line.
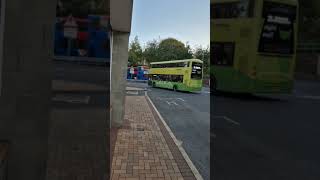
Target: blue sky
185	20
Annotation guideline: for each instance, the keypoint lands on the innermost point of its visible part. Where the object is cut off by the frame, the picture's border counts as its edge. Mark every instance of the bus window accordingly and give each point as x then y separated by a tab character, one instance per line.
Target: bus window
170	65
171	78
231	10
196	70
222	53
177	78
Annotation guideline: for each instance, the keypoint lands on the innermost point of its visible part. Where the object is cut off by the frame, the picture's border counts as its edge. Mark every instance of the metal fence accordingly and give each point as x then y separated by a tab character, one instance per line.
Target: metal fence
3	161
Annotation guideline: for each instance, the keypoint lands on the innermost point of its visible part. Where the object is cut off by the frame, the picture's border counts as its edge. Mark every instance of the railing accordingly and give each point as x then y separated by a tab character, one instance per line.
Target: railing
3	161
308	47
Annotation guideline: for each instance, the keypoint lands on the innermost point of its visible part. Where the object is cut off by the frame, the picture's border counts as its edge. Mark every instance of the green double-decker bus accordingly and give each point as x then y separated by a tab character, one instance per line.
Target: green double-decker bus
181	75
253	45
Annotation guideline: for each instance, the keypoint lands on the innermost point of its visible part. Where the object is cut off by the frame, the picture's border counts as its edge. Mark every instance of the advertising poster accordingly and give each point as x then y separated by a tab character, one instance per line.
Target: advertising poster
82	30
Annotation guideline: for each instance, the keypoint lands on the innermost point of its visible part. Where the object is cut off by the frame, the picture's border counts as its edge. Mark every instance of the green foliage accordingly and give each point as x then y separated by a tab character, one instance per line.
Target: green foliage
135	52
151	52
172	49
166	50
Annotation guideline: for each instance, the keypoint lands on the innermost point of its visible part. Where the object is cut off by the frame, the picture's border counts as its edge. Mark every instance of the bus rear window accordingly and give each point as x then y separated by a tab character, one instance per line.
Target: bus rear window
196	70
232	10
222	53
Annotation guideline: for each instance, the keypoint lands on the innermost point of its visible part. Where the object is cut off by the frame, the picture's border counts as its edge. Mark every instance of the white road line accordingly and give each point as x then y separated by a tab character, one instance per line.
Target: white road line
133	92
181	99
171	102
227	119
183	152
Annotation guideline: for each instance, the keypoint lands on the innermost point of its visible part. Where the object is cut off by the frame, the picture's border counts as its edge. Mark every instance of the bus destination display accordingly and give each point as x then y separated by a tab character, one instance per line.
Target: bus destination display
277	34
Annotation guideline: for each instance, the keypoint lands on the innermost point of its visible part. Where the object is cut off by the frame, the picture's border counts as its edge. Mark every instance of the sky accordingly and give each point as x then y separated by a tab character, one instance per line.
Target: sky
185	20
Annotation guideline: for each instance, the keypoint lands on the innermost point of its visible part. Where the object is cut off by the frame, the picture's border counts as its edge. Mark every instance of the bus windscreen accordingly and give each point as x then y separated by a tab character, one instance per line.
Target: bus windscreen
196	71
277	34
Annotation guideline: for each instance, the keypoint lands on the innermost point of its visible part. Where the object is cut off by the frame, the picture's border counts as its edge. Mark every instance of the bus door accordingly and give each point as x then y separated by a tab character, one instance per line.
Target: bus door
223	59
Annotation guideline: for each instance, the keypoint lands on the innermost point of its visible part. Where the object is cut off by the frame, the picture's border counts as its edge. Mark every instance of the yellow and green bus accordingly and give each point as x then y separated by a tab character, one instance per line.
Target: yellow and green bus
181	75
253	45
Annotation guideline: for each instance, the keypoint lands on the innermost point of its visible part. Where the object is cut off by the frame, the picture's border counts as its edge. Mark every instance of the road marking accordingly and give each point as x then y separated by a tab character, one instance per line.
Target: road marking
227	119
183	152
208	92
181	99
180	142
171	102
132	92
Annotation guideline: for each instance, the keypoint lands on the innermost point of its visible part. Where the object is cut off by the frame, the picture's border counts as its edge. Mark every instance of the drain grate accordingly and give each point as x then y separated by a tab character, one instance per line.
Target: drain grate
140	129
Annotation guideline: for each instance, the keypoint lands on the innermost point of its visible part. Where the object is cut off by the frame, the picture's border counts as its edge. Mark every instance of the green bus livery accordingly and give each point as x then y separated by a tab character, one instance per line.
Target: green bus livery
181	75
253	44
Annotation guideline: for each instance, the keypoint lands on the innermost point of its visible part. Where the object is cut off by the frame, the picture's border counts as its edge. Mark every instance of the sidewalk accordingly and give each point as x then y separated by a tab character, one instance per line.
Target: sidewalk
144	148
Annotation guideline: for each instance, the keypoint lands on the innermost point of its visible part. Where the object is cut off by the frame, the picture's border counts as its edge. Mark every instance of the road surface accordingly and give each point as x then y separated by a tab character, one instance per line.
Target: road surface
267	137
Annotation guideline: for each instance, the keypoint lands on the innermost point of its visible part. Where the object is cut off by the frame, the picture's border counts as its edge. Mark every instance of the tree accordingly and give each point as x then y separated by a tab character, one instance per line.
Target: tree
135	52
172	49
166	50
204	55
151	52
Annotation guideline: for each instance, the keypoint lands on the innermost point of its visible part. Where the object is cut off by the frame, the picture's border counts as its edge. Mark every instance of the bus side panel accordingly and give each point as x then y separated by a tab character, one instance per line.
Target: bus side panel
245	59
223	77
222	32
236	78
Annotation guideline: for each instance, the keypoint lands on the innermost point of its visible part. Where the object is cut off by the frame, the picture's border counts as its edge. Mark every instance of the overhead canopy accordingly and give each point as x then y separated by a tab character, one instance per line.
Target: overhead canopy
121	14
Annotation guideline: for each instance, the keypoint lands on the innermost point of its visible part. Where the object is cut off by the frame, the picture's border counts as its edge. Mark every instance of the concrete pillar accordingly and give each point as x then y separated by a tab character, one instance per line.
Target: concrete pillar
26	85
119	62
